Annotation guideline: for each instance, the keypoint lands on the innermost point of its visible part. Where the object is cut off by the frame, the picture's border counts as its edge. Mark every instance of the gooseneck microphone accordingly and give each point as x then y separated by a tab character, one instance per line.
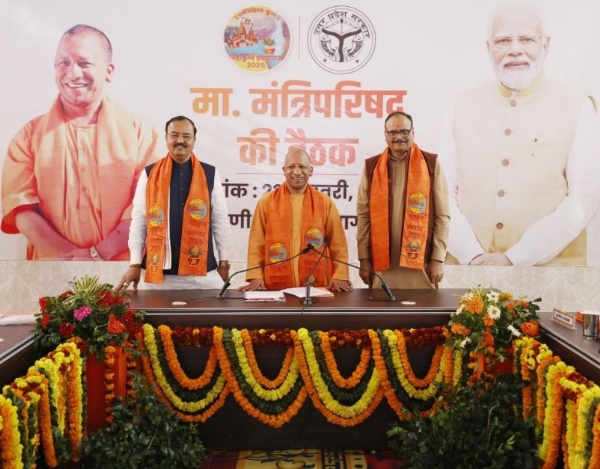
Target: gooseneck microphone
307	299
384	285
227	283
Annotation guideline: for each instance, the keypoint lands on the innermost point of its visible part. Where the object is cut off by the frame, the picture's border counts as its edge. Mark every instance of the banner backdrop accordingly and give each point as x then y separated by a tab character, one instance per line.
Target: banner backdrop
257	79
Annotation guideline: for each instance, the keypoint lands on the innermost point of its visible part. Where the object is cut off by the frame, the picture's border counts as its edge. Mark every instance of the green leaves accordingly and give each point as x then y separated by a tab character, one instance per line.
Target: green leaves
475	427
144	433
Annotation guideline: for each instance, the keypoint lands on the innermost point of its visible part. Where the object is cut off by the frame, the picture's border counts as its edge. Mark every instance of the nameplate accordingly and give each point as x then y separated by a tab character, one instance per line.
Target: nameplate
564	319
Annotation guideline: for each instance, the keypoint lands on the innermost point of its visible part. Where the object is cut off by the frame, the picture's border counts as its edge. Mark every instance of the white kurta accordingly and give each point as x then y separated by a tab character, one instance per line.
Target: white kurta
523	171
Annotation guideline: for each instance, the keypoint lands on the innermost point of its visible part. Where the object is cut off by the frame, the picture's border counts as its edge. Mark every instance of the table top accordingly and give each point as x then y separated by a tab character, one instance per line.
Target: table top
361	308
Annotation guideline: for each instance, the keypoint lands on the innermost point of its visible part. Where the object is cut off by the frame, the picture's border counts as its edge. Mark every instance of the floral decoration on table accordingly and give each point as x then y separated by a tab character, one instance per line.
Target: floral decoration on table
487	322
91	311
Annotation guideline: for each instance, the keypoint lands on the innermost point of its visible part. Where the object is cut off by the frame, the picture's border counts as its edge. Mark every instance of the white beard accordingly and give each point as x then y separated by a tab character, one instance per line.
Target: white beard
518	80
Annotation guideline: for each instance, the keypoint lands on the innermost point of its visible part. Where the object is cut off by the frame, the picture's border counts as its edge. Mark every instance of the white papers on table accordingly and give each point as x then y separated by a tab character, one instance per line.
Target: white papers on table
300	292
264	295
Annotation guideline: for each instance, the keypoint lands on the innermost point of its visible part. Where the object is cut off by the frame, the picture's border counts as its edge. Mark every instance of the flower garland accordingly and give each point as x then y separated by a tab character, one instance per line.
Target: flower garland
271	404
11	449
595	454
398	380
553	421
21	395
347	409
192	405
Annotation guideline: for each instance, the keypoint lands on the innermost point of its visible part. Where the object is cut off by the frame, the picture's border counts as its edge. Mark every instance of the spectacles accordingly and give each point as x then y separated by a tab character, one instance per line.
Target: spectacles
503	43
186	137
396	133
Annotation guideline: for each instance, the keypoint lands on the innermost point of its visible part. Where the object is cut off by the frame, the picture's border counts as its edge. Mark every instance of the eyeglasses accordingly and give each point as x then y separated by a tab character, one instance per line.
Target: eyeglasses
396	133
186	137
503	43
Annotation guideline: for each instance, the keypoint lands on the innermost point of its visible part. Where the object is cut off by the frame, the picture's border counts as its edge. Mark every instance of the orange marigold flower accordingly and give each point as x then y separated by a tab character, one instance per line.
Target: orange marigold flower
114	325
488	321
488	340
460	329
510	305
474	304
530	328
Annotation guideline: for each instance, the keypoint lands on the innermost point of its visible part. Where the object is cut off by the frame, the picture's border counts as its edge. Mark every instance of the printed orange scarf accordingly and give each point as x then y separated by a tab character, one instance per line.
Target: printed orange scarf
416	213
278	239
193	258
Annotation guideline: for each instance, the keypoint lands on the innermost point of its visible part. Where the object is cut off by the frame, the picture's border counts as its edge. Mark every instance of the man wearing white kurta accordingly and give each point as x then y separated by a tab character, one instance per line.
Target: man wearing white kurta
523	163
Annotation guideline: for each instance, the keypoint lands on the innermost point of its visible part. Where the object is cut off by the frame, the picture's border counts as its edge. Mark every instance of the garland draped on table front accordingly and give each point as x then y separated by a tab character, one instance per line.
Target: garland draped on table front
308	370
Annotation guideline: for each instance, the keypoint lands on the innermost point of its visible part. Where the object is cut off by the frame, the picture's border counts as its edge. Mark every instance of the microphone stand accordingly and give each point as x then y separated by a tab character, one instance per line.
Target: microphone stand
307	299
227	283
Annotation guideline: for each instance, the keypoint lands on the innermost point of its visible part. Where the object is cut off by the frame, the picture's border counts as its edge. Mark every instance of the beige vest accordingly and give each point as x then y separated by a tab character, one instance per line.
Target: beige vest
513	153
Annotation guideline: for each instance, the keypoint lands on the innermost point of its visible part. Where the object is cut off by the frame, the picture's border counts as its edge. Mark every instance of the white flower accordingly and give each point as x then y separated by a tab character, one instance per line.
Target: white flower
493	296
513	331
494	312
464	342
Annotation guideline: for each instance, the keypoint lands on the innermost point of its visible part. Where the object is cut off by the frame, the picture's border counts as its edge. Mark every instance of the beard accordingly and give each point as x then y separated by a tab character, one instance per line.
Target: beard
518	80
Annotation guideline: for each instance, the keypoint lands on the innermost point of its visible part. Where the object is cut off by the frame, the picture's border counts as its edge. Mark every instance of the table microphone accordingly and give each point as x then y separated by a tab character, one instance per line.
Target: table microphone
309	247
307	299
384	285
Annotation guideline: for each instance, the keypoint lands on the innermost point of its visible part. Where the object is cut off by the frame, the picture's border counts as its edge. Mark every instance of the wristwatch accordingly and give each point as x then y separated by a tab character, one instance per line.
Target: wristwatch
94	254
225	264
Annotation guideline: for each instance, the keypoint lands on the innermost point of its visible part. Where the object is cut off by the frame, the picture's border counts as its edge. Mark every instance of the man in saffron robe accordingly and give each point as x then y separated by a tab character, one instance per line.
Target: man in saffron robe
69	176
285	222
179	218
403	212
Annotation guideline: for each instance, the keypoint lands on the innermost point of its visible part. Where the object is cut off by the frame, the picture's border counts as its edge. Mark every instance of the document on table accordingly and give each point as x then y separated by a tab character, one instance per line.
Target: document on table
300	292
264	295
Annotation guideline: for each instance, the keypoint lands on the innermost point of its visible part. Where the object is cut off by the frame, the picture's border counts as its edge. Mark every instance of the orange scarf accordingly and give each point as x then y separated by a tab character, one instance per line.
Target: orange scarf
416	212
196	221
278	239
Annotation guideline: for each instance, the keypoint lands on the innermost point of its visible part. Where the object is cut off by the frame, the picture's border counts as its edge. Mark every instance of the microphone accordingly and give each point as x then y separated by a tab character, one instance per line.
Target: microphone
307	299
384	285
226	285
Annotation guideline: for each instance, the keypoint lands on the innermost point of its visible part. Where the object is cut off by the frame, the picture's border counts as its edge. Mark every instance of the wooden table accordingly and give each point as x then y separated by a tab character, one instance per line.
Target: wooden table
16	351
572	348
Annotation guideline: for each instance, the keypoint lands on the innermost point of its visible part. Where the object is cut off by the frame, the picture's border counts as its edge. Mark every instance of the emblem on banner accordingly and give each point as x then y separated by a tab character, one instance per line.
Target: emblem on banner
194	254
417	202
314	237
341	39
413	249
277	252
197	209
257	39
156	216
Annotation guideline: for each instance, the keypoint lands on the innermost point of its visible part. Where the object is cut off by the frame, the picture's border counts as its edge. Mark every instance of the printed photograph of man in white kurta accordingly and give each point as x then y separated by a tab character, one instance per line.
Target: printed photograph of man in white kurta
522	157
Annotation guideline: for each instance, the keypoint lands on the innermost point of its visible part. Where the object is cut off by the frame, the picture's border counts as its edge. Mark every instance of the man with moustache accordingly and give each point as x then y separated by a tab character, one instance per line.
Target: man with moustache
179	218
402	211
522	157
284	222
69	175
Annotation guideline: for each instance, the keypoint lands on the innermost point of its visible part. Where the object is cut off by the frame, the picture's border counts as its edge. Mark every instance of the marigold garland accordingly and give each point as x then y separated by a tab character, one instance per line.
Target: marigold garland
199	404
238	371
46	408
11	449
333	410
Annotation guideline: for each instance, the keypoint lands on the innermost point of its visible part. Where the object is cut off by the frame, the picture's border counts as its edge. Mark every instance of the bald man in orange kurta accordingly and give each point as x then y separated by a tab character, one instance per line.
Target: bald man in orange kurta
317	223
69	176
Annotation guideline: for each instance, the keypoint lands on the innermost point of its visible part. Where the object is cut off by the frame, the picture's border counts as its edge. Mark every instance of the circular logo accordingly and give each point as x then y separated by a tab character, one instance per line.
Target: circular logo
314	237
197	209
417	202
341	39
257	39
277	252
156	215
